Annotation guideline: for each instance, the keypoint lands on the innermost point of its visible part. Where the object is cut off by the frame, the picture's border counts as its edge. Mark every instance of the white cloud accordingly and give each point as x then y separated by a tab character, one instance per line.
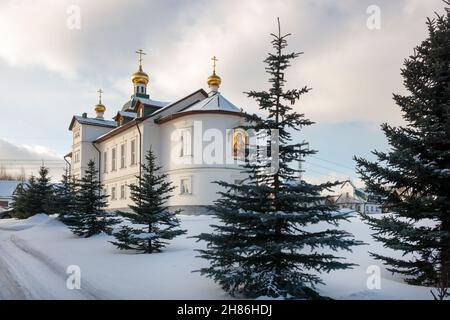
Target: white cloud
15	158
352	70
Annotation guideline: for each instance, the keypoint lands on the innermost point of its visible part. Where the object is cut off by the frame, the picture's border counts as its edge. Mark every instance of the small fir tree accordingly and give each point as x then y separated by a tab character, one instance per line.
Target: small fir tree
89	216
35	196
153	225
45	191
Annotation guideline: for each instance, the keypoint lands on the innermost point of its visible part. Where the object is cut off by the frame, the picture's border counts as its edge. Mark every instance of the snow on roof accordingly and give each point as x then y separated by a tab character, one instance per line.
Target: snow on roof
7	188
151	102
128	114
176	103
96	121
214	102
360	194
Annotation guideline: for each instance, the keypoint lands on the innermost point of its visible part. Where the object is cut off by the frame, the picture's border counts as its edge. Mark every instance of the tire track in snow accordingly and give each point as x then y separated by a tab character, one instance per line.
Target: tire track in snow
88	291
10	288
19	283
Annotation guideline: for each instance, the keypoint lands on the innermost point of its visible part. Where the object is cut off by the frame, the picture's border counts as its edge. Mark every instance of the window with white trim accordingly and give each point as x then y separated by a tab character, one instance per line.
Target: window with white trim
113	193
122	192
76	157
113	159
105	162
186	186
123	156
185	142
133	151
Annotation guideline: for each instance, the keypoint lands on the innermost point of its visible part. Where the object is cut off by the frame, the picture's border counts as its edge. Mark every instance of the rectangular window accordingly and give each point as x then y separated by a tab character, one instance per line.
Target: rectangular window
122	192
122	156
113	159
76	157
186	186
76	134
186	143
113	193
133	152
105	162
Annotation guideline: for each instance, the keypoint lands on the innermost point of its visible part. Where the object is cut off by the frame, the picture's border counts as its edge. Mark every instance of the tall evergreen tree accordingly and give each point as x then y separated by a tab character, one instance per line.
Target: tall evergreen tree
65	196
152	223
89	216
414	175
45	191
263	245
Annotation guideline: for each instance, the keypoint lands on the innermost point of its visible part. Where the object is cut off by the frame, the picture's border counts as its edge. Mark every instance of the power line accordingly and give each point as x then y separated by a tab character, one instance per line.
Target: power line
328	168
332	162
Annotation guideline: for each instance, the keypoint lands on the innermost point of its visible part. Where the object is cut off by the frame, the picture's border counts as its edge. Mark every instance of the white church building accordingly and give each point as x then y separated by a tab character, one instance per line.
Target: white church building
193	139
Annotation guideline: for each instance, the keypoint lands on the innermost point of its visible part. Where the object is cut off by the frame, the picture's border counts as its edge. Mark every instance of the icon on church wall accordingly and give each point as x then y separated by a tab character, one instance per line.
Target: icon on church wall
240	144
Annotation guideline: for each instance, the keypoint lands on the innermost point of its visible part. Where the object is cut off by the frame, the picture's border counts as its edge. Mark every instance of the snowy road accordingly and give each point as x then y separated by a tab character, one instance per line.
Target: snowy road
35	253
28	274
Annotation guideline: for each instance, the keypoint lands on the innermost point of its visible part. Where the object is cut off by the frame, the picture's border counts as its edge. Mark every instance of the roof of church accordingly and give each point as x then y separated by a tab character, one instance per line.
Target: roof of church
130	104
119	129
128	114
93	121
215	102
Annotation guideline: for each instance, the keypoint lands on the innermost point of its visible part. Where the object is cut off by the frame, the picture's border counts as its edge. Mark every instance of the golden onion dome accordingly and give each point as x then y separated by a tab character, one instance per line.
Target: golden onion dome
214	80
100	108
140	77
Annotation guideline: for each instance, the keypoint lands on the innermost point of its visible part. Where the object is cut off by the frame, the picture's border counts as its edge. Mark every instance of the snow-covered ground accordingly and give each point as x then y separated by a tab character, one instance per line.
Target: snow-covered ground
35	254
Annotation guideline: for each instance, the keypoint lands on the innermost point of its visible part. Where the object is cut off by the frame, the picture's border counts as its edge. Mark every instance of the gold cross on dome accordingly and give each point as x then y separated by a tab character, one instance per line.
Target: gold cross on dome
141	53
100	91
214	59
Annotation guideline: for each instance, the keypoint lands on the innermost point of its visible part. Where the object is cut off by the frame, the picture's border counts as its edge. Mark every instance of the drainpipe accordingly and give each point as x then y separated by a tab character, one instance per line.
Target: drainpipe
140	148
99	161
69	165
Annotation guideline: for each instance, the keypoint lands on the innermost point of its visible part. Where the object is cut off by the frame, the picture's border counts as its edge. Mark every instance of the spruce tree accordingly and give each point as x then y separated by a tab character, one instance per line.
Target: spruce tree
414	175
153	225
89	216
65	196
34	197
44	191
263	244
24	200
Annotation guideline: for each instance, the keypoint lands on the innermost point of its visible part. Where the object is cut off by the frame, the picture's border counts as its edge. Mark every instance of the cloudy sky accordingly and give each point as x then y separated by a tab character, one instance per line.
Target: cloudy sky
51	70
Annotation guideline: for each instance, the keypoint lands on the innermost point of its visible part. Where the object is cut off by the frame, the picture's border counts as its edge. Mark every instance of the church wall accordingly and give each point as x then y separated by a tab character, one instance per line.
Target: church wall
121	177
199	173
151	139
84	135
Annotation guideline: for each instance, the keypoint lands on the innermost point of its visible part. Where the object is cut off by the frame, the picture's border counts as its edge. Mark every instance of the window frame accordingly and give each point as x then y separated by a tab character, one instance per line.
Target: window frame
185	142
123	155
113	193
105	161
189	179
114	159
123	192
133	158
